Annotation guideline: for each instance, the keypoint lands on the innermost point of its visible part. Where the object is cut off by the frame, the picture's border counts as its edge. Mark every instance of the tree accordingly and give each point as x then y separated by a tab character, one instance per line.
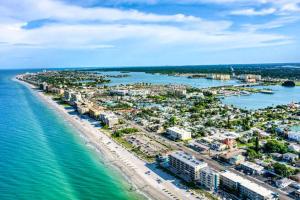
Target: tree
173	121
257	144
274	146
282	169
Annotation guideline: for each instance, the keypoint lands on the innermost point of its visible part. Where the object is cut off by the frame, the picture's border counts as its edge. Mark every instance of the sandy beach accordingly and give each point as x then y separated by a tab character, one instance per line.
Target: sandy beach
153	185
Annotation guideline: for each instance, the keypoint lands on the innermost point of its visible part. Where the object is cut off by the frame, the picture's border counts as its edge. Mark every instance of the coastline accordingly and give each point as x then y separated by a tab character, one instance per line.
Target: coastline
131	167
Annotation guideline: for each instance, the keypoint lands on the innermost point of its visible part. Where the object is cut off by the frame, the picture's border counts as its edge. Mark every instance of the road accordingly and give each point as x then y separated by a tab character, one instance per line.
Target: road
212	163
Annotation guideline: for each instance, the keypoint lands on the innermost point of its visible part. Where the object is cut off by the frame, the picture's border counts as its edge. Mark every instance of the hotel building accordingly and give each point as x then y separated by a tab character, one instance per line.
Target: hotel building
185	166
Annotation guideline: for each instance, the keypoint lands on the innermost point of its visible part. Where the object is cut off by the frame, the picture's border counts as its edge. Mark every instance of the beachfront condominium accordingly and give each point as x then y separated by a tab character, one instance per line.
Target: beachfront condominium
244	188
109	119
176	133
185	166
209	178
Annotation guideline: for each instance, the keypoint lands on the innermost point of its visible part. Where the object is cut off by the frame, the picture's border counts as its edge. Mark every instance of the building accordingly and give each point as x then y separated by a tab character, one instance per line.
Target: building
95	111
294	135
294	147
233	157
82	109
250	78
185	166
283	183
209	178
67	95
58	91
176	133
109	119
251	168
290	157
75	97
218	76
119	92
244	188
297	194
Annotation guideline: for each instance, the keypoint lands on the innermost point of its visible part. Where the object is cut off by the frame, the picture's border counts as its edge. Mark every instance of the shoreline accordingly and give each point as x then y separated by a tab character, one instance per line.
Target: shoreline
132	168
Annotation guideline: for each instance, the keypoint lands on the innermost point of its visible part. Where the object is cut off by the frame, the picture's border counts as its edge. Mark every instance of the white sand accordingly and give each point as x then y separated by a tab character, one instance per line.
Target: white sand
131	166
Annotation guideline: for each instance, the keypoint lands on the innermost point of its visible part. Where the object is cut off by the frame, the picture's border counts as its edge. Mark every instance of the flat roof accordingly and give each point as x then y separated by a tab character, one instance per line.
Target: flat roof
247	184
252	165
188	159
177	130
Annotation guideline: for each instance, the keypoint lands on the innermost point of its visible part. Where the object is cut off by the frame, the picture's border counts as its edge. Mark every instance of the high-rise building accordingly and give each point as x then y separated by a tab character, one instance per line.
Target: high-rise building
209	178
185	165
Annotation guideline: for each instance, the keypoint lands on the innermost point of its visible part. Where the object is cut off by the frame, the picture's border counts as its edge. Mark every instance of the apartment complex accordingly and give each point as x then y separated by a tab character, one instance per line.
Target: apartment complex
176	133
109	119
185	166
209	178
244	187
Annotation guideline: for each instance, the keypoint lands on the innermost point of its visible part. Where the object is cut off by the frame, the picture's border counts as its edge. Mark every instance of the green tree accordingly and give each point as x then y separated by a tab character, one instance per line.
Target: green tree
282	170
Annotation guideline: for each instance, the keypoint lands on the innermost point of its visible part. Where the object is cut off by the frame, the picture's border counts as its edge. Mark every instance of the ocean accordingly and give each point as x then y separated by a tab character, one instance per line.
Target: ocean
42	157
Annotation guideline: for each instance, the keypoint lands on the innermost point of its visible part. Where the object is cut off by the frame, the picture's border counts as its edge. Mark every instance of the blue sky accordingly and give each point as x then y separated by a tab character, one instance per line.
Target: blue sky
71	33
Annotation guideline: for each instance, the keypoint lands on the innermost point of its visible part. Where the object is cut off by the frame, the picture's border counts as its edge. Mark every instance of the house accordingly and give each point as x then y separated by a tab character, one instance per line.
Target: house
233	157
294	147
283	183
290	157
276	156
294	135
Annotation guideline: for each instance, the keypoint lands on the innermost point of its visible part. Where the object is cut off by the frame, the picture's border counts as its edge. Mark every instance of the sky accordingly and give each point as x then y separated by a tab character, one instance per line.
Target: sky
96	33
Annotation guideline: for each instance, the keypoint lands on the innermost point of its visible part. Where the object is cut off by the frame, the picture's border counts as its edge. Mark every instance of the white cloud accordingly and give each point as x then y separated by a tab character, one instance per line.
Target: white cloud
79	27
253	12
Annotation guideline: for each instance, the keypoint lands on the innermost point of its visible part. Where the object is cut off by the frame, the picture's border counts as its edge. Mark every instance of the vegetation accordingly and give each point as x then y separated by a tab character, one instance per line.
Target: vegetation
121	132
282	170
274	146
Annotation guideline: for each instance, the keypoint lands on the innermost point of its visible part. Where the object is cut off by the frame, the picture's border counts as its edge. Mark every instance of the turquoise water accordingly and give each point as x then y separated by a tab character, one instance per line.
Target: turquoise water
282	95
138	77
42	157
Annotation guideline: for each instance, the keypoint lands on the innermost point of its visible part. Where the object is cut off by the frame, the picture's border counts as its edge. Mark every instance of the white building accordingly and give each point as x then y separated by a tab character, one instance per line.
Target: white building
293	135
109	119
252	168
244	187
176	133
294	147
185	165
209	178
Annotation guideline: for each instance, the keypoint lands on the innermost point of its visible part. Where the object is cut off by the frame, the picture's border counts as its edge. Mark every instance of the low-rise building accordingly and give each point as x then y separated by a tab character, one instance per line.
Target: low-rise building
244	188
290	157
283	183
209	178
252	168
294	147
176	133
294	135
185	166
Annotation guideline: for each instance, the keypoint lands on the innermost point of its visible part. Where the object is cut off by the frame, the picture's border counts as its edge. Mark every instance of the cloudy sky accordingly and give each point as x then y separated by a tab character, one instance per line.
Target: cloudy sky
70	33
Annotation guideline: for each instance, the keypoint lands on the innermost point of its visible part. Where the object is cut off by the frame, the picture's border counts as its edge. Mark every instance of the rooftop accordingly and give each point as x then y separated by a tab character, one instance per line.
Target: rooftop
188	159
247	183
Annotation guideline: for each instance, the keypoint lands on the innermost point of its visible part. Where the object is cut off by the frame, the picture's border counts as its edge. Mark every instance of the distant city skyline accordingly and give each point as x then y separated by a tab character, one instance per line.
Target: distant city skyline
96	33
